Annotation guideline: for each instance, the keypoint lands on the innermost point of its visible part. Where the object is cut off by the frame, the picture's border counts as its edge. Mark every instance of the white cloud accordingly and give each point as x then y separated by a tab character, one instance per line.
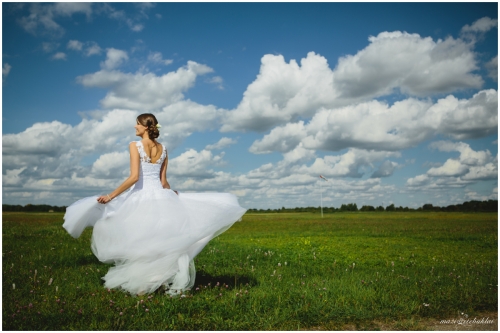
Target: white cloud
386	169
488	171
114	58
217	80
88	48
482	25
283	92
6	70
418	181
468	156
467	118
470	167
70	8
354	163
313	107
41	18
194	164
222	143
415	65
472	195
492	67
450	168
478	29
157	58
92	48
111	165
376	125
120	15
182	118
59	56
144	91
282	139
135	26
11	177
75	45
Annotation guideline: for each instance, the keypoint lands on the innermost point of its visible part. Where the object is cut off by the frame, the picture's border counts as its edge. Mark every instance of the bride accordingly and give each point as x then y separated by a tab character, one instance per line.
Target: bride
150	232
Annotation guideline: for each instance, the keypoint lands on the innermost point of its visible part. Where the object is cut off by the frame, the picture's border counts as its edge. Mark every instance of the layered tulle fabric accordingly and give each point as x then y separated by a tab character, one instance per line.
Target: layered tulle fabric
152	234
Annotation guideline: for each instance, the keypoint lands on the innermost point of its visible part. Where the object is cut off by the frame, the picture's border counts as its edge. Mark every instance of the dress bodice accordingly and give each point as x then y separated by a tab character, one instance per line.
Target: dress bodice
149	174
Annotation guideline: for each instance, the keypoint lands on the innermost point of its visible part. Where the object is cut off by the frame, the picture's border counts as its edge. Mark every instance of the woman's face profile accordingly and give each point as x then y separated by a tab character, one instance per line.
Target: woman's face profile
139	129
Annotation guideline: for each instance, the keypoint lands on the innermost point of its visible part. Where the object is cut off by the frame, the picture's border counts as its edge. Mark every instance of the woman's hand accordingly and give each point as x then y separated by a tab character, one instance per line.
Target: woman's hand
103	199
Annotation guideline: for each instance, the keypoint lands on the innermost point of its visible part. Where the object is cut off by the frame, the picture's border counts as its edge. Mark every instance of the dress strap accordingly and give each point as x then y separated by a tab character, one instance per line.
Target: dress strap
142	153
164	153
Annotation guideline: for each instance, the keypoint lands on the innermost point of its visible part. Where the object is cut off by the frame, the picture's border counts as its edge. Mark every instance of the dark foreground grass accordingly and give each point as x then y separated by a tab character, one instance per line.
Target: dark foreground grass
268	272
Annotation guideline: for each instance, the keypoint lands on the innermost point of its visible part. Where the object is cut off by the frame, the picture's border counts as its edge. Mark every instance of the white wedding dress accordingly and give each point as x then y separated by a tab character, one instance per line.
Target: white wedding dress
150	233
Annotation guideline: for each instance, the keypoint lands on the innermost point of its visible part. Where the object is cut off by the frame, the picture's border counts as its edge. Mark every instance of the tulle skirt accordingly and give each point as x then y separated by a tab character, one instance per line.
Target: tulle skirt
152	236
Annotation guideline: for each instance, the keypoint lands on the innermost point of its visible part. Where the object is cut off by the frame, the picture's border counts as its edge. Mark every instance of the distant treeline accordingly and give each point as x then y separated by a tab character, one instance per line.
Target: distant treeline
469	206
32	208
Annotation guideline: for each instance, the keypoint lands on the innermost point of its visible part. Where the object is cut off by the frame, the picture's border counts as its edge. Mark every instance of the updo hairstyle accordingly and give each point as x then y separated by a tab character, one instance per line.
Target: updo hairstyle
149	120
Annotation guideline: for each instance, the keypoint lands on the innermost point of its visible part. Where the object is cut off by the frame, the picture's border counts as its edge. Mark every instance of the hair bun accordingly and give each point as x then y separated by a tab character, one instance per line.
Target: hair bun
149	121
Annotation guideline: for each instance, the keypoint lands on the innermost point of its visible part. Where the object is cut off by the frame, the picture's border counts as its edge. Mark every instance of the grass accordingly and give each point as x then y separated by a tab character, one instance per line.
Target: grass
268	272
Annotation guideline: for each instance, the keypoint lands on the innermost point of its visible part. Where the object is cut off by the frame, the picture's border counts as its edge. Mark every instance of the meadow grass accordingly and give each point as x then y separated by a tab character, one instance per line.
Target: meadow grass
268	272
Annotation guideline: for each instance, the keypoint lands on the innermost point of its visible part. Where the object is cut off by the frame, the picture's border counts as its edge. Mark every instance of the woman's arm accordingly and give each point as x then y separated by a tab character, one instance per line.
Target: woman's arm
131	180
163	173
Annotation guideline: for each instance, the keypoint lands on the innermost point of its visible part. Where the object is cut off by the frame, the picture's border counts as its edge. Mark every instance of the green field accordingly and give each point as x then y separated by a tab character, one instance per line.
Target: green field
268	272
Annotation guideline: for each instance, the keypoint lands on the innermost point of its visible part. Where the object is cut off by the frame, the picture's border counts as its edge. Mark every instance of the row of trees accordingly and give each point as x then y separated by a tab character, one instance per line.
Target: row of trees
32	208
469	206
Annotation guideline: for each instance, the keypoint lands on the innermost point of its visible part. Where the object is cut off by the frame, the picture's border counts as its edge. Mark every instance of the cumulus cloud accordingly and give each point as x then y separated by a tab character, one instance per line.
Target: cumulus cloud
50	156
144	91
306	106
182	118
111	165
114	58
222	143
468	156
414	65
492	67
195	164
379	126
393	61
354	163
282	139
386	169
470	166
282	92
450	168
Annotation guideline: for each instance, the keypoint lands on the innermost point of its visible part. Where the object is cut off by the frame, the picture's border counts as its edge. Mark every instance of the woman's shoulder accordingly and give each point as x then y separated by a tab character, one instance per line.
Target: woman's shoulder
140	144
135	143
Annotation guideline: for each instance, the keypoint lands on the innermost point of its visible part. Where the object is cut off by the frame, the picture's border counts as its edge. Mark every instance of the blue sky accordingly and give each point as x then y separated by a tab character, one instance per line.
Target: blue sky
393	103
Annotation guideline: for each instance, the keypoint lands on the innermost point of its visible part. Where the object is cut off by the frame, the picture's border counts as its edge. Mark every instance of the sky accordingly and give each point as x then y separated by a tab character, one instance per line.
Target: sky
393	103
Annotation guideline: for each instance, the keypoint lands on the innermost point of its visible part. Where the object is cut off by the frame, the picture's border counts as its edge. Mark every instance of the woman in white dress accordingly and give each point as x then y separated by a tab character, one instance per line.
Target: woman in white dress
150	232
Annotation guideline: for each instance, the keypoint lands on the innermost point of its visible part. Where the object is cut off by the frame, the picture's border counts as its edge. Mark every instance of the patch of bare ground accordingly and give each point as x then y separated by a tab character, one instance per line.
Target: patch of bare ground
483	321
